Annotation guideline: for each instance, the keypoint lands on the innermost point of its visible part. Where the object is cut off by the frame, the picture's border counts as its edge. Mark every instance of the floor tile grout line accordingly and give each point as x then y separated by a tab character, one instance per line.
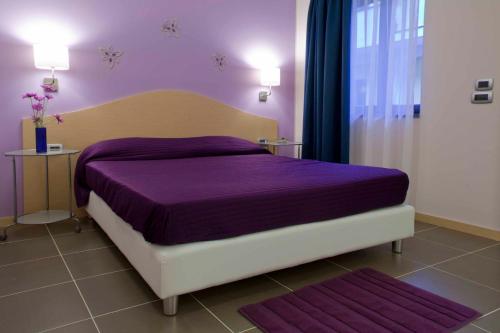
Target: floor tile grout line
89	250
452	247
329	260
462	255
62	326
100	315
35	289
415	271
486	257
248	329
23	240
466	279
55	256
28	261
69	233
103	274
126	308
40	237
482	329
338	265
64	282
279	283
489	313
439	243
74	281
464	252
211	312
442	261
428	229
72	232
482	249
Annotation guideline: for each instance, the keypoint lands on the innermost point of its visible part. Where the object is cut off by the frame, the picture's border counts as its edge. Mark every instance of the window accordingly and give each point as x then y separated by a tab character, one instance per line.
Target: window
386	55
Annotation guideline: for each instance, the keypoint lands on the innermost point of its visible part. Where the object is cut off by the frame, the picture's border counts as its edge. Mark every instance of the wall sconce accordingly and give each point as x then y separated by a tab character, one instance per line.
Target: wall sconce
269	77
52	57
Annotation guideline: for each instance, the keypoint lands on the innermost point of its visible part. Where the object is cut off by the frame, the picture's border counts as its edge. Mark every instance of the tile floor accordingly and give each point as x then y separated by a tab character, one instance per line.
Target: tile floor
53	280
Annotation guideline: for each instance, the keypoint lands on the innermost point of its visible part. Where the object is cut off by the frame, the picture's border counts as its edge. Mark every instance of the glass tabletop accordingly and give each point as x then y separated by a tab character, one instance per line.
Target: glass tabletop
32	152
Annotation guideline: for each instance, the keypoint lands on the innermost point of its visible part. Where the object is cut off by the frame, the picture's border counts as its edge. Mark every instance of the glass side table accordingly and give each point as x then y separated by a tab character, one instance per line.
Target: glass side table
48	215
273	146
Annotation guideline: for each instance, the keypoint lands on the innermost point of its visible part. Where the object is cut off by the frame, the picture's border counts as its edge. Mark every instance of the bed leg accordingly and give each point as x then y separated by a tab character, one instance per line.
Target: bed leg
397	246
170	305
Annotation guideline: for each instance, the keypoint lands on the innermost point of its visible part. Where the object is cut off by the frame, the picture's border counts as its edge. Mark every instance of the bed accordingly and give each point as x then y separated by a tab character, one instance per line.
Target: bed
191	213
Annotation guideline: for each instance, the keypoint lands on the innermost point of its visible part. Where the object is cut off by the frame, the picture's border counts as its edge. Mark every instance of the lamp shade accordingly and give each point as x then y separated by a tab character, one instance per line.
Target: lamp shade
270	76
50	56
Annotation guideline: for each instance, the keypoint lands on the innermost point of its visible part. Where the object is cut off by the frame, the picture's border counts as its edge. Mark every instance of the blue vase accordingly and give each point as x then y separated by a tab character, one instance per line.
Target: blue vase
41	139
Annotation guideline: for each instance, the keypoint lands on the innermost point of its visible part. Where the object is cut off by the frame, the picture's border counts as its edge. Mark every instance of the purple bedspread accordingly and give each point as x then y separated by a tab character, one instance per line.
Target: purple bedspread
177	191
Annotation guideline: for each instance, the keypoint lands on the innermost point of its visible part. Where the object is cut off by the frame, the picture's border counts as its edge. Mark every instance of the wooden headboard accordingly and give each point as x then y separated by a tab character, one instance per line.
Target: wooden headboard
166	113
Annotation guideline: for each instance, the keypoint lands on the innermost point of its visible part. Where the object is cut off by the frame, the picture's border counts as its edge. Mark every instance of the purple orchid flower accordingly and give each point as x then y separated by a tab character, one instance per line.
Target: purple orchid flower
37	106
48	88
29	95
59	119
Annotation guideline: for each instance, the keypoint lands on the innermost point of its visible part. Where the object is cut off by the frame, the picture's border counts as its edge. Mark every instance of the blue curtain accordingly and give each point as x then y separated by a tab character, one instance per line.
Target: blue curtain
326	103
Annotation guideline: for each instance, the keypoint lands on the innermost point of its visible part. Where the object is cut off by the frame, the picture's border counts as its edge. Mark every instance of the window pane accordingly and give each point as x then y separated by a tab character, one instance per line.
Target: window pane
421	13
373	37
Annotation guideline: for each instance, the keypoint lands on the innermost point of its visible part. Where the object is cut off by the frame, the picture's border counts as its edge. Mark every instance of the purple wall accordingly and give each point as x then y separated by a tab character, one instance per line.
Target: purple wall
236	28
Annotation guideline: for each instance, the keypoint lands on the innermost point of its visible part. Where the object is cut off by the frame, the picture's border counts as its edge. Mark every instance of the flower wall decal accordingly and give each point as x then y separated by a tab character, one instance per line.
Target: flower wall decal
110	56
171	27
219	61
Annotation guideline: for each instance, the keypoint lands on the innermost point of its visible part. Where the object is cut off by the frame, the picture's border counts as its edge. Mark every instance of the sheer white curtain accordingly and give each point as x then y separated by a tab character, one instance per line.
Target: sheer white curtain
386	55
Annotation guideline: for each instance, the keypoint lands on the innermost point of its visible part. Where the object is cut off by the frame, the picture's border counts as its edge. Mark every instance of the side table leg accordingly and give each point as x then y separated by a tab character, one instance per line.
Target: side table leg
3	233
47	190
78	226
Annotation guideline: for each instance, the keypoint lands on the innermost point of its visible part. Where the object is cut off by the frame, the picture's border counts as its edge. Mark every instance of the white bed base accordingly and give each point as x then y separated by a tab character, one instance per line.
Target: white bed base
175	270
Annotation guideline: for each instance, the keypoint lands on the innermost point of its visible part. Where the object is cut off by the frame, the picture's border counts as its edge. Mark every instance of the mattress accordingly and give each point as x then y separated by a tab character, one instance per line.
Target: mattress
205	196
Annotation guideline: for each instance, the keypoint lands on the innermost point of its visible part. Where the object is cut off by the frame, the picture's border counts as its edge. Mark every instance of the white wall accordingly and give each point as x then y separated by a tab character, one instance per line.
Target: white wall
302	7
459	150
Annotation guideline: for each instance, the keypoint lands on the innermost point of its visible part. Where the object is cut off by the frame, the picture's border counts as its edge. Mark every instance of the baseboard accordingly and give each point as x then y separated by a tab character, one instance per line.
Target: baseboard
459	226
6	220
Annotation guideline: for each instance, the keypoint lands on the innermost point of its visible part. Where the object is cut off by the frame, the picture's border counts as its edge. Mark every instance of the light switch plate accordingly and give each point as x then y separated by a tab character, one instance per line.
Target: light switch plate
482	97
484	84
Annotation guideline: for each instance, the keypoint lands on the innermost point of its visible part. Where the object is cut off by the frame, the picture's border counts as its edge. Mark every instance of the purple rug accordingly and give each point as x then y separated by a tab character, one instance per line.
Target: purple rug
361	301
